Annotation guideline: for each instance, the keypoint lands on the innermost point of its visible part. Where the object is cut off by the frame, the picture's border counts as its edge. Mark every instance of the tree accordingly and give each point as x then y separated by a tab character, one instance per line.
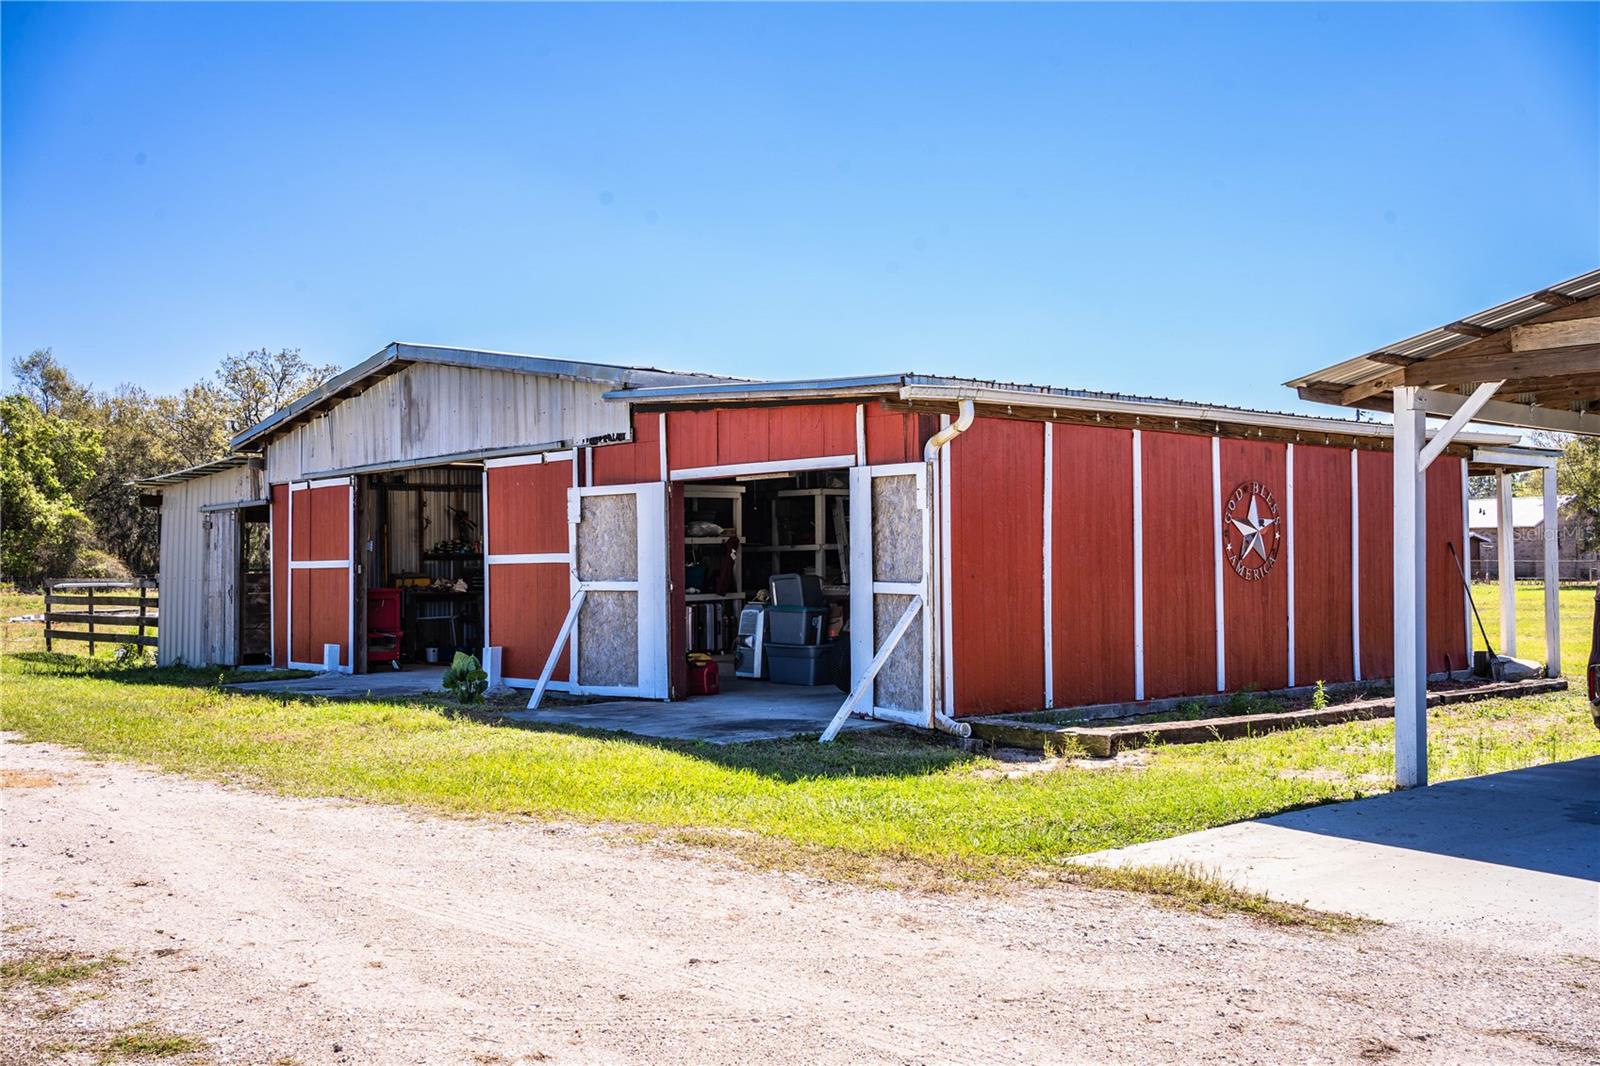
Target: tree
254	385
42	379
1578	476
46	460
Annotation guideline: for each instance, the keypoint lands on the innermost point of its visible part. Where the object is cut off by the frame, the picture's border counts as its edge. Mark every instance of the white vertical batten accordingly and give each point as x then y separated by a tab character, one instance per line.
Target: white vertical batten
288	585
662	435
350	613
1465	558
1138	565
861	434
1288	547
1552	575
1216	540
1049	578
1506	545
1355	563
487	615
1410	591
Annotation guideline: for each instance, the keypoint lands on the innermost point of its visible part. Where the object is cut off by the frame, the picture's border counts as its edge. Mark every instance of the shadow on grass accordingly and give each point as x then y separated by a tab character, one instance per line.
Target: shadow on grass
891	752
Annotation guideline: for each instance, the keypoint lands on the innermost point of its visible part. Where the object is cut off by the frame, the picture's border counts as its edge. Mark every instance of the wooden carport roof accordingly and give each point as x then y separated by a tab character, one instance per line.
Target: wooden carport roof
1544	349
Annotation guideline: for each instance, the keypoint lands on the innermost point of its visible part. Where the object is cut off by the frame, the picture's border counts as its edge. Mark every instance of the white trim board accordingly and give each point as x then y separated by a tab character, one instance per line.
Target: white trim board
777	466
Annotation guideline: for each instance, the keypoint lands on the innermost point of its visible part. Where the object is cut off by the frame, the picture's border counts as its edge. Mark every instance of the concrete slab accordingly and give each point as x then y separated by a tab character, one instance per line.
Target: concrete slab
1511	859
387	684
745	710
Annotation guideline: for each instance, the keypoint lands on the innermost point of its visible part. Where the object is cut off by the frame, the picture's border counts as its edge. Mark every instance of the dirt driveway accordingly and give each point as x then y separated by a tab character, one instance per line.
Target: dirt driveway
310	931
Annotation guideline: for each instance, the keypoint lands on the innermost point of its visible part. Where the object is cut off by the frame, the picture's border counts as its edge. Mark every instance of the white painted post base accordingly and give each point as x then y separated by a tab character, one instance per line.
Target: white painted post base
492	658
330	658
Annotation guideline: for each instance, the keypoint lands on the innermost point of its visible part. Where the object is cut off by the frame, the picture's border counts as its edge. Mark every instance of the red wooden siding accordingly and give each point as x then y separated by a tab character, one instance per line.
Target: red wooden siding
738	435
1376	490
1447	604
1180	651
895	436
996	569
1092	565
1255	613
1321	539
528	603
280	575
322	524
528	508
636	461
320	603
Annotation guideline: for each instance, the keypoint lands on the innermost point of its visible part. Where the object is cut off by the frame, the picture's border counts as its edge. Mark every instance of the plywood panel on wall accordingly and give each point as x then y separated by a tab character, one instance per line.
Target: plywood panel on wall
1321	541
1180	651
996	568
1092	565
1256	609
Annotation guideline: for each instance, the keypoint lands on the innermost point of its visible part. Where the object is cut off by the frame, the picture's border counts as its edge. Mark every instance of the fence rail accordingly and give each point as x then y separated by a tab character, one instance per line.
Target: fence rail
122	605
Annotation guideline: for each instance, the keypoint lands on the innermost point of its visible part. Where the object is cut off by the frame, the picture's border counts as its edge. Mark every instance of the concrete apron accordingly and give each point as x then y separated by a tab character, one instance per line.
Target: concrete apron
1511	859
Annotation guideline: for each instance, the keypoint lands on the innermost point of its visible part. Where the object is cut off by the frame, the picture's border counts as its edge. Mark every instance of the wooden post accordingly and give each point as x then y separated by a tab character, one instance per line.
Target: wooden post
144	589
49	590
91	621
1410	592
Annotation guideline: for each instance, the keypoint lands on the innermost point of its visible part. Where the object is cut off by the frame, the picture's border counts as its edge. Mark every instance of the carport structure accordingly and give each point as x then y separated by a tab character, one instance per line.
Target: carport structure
1531	363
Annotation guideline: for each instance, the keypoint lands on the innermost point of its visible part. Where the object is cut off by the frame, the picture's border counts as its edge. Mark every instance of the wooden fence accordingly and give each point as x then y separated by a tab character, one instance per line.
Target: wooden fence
105	608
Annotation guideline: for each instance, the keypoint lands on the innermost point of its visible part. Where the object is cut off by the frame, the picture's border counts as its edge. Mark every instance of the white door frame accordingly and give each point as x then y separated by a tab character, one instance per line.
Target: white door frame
864	586
348	564
649	587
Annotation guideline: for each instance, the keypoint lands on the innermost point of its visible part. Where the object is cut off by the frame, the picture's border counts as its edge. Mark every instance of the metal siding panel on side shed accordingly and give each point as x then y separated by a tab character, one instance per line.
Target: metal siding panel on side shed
183	633
997	579
1092	565
1256	613
1180	650
1321	536
1375	473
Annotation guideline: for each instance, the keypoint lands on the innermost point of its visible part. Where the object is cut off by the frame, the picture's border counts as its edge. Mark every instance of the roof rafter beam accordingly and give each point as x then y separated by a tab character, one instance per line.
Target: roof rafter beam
1501	413
1454	369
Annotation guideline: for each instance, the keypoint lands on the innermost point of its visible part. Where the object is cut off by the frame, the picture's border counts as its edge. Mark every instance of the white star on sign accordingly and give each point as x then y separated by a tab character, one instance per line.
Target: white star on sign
1254	533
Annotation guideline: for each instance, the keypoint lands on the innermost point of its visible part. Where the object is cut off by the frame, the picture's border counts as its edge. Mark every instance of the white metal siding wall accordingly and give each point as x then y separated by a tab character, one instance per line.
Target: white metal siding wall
429	410
183	631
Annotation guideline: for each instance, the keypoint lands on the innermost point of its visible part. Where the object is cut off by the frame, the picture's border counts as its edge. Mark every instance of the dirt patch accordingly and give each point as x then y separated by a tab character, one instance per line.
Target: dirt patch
26	779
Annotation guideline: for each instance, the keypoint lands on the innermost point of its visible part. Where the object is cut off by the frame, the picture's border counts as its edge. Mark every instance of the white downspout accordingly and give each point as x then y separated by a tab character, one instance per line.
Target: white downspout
937	719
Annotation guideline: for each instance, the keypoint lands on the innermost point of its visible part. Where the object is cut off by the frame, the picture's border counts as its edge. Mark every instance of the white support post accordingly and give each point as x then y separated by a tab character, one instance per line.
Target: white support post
1552	576
1410	592
1506	546
493	657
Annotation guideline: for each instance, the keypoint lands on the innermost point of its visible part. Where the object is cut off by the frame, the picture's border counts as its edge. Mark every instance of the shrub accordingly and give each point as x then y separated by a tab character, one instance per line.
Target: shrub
465	680
1319	697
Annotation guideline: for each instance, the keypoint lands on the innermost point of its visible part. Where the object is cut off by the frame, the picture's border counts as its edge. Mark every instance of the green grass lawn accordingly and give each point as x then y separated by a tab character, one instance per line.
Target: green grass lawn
1577	621
889	795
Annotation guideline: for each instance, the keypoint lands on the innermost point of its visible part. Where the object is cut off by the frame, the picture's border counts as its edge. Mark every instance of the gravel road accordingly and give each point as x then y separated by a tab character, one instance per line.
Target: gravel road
315	931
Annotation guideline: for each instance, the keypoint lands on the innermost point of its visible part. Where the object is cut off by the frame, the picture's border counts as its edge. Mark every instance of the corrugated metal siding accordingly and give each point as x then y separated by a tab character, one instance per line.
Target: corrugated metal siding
429	410
192	626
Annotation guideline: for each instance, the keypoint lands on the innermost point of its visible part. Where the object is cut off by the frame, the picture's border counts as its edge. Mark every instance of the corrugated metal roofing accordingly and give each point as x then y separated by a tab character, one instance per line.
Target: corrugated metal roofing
176	477
1364	368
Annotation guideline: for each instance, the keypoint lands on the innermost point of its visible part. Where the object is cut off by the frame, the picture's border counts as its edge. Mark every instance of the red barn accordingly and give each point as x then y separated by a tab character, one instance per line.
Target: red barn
998	547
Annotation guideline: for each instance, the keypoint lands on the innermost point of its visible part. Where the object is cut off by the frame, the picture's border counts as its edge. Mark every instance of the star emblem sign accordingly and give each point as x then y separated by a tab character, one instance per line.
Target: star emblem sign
1253	532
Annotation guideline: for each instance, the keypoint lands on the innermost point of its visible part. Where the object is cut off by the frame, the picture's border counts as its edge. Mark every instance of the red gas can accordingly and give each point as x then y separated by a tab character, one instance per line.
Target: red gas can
703	675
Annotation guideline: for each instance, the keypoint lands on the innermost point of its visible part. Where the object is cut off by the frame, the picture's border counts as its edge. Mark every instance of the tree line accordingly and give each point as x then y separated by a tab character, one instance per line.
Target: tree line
71	453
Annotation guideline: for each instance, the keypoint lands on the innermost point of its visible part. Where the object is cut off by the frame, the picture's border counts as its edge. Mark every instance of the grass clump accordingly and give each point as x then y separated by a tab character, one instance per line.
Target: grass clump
1191	888
54	969
148	1042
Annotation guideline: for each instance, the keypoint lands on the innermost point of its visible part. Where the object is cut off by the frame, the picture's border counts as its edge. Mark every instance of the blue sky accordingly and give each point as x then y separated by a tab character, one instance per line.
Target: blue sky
1193	201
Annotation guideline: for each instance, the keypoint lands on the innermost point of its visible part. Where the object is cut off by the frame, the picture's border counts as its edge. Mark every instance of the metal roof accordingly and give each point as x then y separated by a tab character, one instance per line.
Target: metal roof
1365	368
398	354
215	466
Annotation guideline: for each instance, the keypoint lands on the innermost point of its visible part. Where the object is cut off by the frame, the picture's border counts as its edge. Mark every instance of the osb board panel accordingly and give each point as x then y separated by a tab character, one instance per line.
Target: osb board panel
899	682
322	523
608	538
740	435
896	436
528	508
1180	651
996	566
897	520
1375	477
321	607
633	462
1321	538
608	639
280	575
1092	565
1256	613
1447	604
527	604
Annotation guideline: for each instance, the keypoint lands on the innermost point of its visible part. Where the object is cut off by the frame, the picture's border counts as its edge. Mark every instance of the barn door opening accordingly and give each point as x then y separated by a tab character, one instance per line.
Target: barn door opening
619	550
891	537
321	572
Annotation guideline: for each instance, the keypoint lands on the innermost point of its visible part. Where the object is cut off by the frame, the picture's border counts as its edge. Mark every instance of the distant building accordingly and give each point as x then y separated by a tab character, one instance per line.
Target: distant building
1528	525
